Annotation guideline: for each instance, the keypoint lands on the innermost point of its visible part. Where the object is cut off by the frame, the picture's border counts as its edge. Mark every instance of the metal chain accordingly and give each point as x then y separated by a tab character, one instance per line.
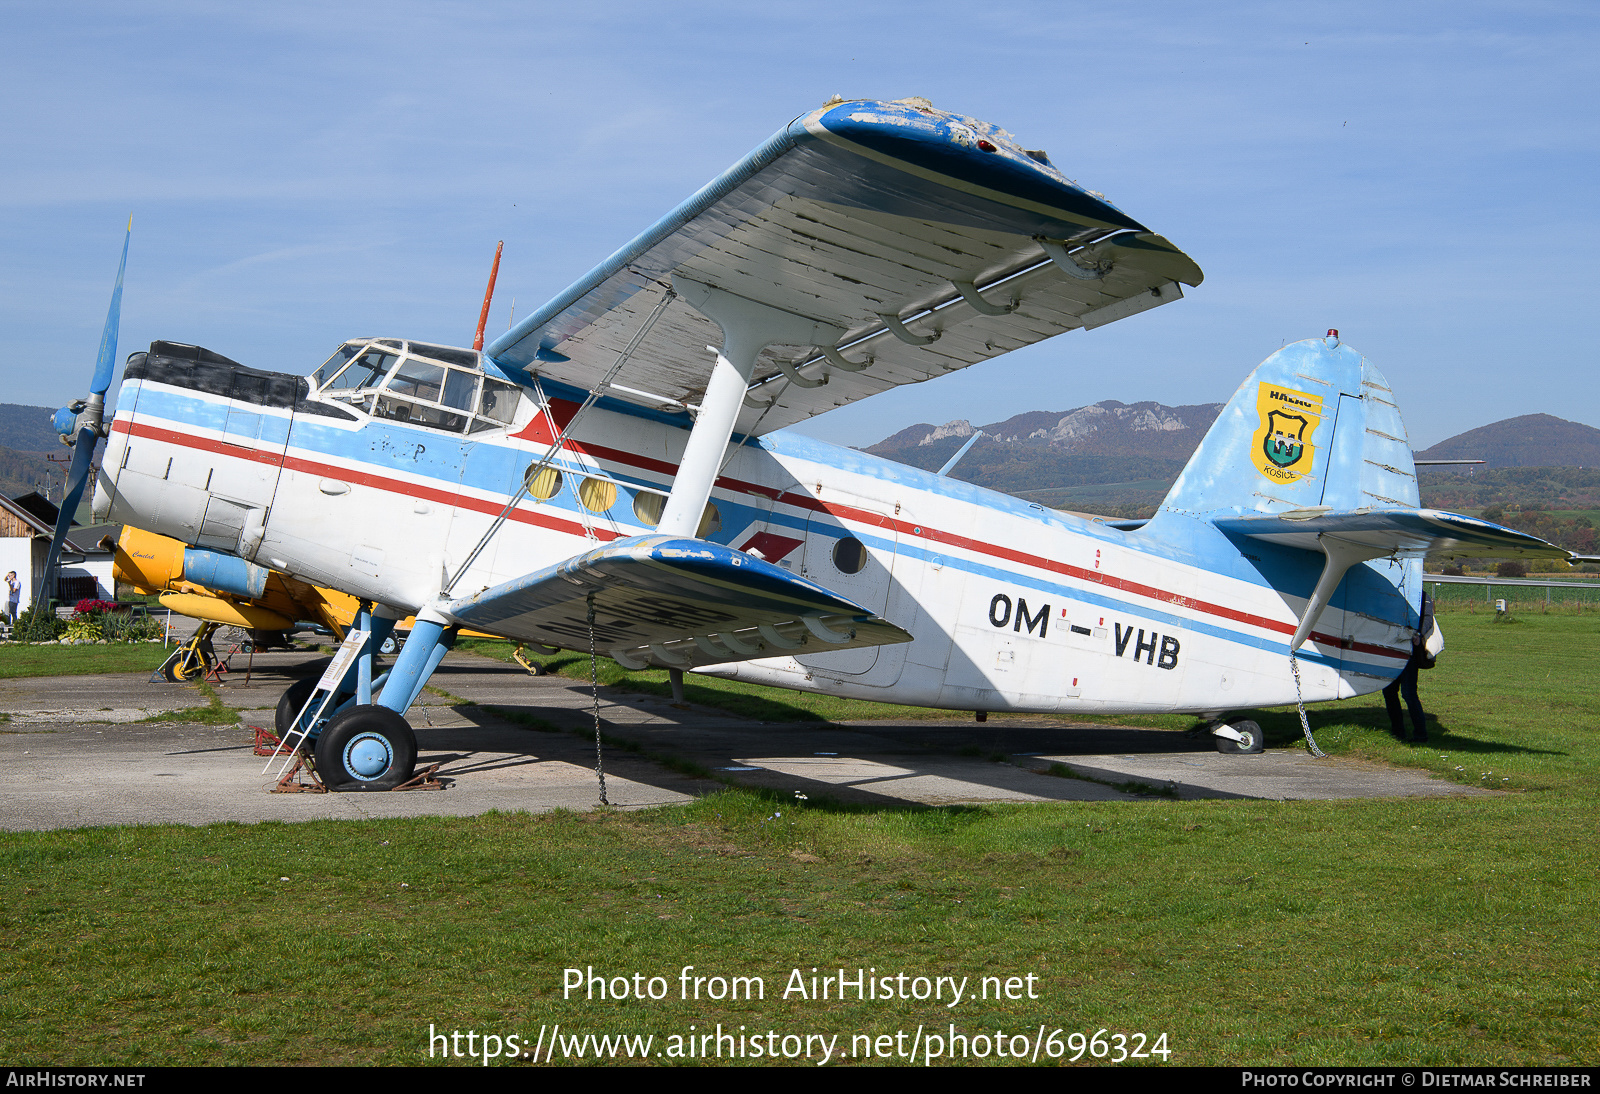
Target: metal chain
594	686
557	446
1300	705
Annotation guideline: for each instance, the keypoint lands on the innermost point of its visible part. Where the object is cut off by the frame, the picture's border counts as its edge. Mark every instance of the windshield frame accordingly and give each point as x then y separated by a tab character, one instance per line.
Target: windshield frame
422	384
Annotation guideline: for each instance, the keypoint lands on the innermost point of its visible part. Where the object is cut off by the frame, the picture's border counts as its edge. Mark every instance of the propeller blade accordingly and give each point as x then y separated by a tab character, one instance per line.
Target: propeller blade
77	478
91	415
108	337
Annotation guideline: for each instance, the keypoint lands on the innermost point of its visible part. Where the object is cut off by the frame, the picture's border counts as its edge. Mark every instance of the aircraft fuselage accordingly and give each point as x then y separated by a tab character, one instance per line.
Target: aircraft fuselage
1012	606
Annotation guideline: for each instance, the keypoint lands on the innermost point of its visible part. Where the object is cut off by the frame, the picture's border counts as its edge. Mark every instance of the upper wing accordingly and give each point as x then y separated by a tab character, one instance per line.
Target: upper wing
672	601
929	241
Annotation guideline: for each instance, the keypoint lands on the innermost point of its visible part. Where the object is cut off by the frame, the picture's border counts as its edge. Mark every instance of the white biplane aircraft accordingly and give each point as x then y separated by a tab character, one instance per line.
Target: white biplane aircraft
613	470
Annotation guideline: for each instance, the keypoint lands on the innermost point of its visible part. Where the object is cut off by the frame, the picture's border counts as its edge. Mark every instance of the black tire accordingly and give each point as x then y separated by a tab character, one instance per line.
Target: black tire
191	663
290	703
366	748
1254	743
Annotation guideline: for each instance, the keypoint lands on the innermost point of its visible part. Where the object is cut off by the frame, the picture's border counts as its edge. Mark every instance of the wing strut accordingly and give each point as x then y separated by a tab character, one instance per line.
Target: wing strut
1341	556
556	446
748	327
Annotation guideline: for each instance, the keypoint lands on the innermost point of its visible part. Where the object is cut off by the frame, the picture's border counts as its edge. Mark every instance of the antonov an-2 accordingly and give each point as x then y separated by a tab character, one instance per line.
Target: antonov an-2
614	470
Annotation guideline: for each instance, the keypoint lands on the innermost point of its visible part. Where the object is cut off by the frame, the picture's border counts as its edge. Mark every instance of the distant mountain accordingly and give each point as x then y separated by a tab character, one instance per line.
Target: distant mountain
1120	459
1109	457
27	428
1109	425
1475	488
1533	440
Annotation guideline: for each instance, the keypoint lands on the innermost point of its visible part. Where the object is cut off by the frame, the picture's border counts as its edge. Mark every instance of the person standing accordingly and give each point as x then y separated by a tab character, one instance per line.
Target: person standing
1406	683
13	596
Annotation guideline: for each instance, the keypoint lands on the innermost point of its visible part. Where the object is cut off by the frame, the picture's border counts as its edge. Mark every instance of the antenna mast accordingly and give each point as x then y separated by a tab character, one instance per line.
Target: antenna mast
488	295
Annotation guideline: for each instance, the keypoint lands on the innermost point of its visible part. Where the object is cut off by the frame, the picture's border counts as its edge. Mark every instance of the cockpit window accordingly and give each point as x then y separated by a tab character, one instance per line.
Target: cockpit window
331	367
365	371
459	389
439	387
418	378
498	406
404	410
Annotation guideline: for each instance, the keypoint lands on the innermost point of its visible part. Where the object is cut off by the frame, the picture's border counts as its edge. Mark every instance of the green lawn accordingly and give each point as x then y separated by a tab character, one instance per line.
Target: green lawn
24	660
1363	932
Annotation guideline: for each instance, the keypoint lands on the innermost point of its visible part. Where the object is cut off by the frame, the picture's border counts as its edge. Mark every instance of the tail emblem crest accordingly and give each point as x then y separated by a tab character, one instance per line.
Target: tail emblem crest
1283	451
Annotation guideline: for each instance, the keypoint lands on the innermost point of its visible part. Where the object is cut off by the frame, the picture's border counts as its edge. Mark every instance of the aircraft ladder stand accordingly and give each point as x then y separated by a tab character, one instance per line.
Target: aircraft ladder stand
361	740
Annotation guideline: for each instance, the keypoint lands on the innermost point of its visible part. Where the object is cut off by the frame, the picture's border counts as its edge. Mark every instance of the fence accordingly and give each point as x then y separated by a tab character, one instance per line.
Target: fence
1528	594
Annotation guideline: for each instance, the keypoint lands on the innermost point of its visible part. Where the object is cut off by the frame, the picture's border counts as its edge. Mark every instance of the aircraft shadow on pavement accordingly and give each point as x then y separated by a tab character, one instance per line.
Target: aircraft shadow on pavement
885	756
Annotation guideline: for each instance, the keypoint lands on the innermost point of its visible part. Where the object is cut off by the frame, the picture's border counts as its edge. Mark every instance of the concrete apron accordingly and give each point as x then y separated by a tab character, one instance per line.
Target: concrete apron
77	753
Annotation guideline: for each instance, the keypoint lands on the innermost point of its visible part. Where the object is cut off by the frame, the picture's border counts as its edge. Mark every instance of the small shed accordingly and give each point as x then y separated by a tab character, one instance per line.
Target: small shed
26	524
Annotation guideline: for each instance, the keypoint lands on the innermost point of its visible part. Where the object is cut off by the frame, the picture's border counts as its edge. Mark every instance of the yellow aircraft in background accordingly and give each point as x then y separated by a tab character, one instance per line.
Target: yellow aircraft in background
154	565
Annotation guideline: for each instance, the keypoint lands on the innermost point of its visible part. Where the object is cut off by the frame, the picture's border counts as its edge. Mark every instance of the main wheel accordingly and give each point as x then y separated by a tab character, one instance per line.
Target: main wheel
191	663
366	748
290	703
1252	740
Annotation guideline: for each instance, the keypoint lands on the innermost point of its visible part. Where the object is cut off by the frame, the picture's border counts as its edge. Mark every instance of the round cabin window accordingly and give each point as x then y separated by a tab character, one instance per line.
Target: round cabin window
850	555
648	508
597	495
543	486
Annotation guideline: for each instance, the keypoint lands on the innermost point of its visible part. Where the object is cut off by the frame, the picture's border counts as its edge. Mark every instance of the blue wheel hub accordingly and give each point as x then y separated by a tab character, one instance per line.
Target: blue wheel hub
368	756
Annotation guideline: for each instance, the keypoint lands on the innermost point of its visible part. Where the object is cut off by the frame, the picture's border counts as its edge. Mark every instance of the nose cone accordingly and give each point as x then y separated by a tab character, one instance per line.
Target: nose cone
64	420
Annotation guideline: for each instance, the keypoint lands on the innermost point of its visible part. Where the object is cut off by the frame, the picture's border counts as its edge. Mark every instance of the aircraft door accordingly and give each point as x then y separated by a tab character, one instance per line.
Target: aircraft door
242	488
856	562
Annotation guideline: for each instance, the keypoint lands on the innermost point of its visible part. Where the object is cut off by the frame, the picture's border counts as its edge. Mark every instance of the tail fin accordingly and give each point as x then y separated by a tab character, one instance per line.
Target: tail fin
1310	454
1314	426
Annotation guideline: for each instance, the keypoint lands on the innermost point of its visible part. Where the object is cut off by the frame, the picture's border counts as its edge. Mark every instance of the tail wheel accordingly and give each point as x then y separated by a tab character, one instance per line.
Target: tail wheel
1251	740
366	748
520	656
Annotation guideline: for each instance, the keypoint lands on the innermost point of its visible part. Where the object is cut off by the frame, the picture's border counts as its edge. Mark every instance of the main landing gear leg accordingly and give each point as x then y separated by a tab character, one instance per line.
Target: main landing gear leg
190	661
368	745
354	687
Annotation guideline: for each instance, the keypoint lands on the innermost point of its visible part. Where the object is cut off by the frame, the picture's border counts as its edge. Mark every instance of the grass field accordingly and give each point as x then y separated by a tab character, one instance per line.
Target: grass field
1363	932
25	660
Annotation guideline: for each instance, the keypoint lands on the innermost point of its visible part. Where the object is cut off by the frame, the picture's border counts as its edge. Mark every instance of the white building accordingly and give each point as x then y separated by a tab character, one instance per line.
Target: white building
26	525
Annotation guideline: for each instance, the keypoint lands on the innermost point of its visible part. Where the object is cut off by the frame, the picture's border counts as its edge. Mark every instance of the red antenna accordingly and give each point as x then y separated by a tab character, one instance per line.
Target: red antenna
488	295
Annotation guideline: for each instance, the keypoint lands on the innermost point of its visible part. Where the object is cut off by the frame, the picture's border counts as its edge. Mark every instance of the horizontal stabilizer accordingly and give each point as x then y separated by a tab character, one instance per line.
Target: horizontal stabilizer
677	603
1412	532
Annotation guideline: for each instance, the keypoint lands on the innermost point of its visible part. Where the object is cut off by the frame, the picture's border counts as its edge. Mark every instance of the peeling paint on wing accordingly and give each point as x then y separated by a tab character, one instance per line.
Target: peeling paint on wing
887	119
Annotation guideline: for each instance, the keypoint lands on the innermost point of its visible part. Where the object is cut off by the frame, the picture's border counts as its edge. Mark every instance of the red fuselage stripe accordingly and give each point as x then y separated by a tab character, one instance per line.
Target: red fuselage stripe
798	501
362	478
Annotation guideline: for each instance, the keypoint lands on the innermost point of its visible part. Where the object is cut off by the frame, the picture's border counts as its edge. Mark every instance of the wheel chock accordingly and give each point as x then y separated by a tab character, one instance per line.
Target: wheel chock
426	779
267	742
292	783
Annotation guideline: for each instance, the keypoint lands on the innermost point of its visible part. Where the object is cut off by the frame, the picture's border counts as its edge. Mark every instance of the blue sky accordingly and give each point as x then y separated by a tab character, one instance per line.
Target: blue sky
1419	175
